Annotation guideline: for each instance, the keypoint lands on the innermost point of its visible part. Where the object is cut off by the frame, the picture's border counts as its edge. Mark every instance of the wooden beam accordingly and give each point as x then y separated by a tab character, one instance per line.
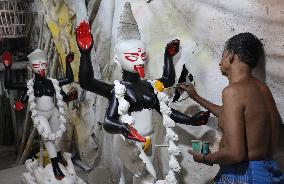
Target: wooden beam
16	66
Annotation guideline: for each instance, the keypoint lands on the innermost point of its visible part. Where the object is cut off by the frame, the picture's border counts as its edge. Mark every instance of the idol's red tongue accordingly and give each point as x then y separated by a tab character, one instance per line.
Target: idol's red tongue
42	73
140	70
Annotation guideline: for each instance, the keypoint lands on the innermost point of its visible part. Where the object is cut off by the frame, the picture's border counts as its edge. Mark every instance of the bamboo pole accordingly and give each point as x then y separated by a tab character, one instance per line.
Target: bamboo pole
13	114
54	65
41	153
28	146
41	23
27	127
48	43
50	52
94	6
25	135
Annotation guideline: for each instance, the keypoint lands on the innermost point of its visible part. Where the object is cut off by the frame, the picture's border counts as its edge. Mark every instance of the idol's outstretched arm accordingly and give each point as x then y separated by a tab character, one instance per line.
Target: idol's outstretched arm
200	118
19	104
86	73
168	78
114	126
69	73
9	84
8	79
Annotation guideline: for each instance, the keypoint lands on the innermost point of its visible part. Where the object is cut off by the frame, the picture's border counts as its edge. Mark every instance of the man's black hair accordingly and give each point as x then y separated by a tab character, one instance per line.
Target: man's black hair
247	46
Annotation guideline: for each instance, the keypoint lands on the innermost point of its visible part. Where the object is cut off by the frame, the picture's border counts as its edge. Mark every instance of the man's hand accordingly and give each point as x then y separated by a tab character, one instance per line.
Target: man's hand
201	118
70	57
84	37
199	157
19	105
131	133
7	59
172	47
189	89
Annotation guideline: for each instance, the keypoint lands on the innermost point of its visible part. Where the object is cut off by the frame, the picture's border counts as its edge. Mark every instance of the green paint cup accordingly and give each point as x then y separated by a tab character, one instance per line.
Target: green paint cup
196	145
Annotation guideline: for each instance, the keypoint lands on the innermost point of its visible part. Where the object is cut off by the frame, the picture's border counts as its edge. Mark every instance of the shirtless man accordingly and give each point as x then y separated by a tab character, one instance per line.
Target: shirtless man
248	118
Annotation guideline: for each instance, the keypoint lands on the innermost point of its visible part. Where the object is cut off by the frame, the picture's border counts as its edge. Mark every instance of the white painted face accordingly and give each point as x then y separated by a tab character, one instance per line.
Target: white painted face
38	62
131	55
39	67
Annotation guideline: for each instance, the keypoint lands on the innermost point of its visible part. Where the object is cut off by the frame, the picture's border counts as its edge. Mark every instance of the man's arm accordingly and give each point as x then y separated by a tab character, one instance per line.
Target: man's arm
233	126
213	108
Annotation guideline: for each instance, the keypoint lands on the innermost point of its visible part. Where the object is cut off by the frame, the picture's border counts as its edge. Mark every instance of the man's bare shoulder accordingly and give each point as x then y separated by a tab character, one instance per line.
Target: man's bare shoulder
232	90
233	94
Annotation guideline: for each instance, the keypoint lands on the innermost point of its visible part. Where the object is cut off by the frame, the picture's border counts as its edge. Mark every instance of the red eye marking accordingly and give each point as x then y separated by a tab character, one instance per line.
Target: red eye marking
131	56
35	65
143	56
139	49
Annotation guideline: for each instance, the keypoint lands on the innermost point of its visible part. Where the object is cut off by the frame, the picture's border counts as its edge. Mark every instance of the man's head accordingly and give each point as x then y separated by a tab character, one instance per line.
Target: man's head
38	62
247	47
131	55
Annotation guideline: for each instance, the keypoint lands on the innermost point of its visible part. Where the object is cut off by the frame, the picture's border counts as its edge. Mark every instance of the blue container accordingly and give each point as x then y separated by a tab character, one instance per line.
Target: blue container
205	147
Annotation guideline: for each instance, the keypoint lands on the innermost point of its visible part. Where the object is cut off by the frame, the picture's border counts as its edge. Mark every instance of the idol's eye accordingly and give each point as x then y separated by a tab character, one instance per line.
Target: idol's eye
143	56
132	57
44	64
35	65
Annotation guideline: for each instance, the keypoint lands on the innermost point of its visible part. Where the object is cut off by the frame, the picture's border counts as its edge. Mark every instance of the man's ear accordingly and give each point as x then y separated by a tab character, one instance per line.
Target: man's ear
231	57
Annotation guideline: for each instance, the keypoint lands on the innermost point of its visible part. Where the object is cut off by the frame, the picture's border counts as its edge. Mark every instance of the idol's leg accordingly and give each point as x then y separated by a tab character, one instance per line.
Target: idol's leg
54	124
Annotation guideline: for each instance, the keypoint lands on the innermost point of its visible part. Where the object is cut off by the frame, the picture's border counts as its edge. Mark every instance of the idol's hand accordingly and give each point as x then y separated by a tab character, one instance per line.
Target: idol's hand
84	37
7	59
72	95
69	57
172	47
201	118
19	105
131	133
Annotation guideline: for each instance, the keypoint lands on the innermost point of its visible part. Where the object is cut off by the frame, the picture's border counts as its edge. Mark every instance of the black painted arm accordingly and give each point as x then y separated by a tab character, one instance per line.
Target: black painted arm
69	75
181	118
177	116
198	119
168	78
64	95
112	124
87	80
9	84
